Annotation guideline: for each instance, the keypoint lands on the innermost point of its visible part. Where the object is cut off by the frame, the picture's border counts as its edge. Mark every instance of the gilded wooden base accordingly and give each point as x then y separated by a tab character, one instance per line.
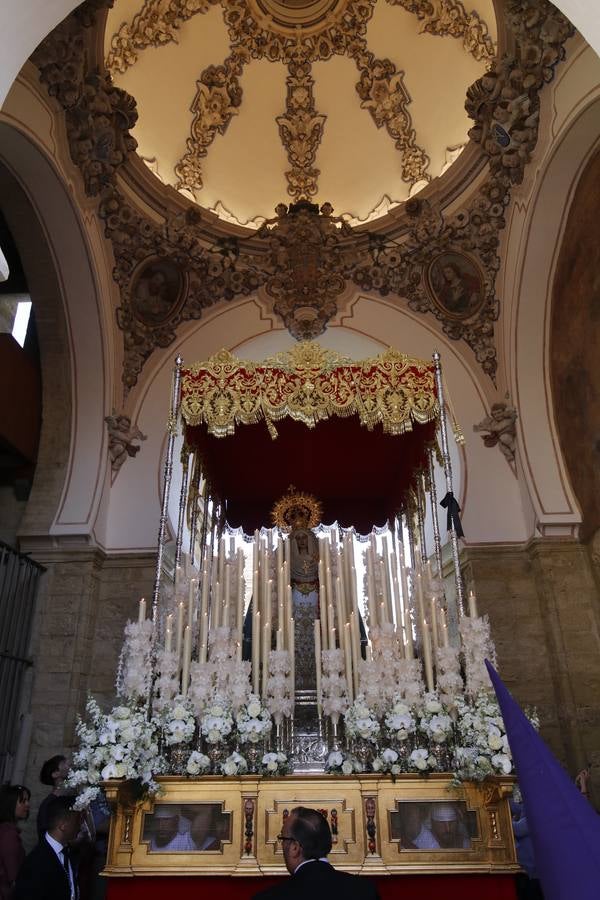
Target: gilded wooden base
229	826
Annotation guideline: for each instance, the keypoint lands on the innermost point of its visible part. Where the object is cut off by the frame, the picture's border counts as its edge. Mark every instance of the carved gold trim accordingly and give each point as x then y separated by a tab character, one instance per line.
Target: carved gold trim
156	24
449	17
294	506
301	130
391	389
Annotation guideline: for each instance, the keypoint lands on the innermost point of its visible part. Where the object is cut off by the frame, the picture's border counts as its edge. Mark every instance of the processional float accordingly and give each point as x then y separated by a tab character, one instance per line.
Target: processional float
288	660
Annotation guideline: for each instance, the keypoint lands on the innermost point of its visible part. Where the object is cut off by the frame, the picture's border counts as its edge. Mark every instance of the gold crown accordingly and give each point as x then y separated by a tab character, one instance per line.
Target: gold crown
296	510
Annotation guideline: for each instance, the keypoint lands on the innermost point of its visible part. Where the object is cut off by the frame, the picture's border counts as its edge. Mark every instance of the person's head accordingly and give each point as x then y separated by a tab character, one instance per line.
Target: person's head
451	273
305	835
64	822
165	823
54	771
411	822
14	803
444	824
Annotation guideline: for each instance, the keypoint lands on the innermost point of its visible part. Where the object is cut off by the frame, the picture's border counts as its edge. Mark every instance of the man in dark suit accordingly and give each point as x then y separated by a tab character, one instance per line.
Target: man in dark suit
48	872
306	839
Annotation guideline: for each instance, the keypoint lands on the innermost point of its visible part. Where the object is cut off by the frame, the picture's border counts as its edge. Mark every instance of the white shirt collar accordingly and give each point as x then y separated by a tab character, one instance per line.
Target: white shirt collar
56	845
305	861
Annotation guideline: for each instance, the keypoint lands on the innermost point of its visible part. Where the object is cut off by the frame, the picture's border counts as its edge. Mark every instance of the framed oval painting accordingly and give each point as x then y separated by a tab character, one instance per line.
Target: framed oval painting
456	285
157	290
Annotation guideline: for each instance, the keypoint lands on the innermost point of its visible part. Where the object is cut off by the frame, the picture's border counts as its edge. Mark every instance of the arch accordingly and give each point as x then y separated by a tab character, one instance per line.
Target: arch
492	506
539	232
53	248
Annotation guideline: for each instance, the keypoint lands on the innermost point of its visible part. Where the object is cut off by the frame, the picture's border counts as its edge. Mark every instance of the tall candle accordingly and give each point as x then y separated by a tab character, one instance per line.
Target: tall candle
387	580
293	660
265	661
168	638
317	627
142	611
355	643
240	601
371	592
444	627
426	644
187	656
203	637
348	662
472	605
226	593
191	600
256	639
338	611
179	632
434	624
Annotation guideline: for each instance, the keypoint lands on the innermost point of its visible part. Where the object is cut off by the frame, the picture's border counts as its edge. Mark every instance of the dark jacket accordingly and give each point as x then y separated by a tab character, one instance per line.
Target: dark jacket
320	881
42	877
11	857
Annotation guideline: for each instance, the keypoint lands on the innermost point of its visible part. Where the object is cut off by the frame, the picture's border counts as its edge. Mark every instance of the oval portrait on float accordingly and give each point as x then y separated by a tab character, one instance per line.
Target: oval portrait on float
157	290
456	285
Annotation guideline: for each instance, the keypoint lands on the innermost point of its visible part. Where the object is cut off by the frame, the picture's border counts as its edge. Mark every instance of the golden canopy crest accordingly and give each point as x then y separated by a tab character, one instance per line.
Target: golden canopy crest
296	509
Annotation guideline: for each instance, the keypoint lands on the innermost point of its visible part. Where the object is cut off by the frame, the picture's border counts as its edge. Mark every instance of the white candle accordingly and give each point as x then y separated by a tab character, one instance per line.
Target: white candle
371	591
426	643
472	605
256	638
179	632
338	611
203	637
187	656
434	624
348	662
142	611
444	627
168	639
191	600
293	660
279	640
240	601
266	652
355	643
226	593
317	627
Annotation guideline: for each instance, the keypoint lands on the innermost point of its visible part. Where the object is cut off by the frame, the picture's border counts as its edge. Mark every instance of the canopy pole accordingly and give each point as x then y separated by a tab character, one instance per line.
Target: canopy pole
420	498
168	473
194	491
185	464
460	590
435	521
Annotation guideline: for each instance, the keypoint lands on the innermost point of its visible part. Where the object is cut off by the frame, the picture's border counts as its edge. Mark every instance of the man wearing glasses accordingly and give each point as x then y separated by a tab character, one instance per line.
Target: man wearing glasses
306	841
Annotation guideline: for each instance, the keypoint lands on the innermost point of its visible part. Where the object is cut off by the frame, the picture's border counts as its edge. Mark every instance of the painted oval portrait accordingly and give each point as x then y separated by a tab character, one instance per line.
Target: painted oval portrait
157	290
456	284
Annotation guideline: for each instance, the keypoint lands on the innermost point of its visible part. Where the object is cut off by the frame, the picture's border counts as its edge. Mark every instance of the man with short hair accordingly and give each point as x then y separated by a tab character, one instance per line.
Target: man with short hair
53	773
306	841
48	872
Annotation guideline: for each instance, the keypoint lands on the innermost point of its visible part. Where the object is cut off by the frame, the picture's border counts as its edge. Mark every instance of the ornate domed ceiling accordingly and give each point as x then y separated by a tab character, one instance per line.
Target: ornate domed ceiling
246	103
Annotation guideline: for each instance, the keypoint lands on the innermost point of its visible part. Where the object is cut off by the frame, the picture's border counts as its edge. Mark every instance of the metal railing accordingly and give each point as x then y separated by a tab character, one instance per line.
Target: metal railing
19	578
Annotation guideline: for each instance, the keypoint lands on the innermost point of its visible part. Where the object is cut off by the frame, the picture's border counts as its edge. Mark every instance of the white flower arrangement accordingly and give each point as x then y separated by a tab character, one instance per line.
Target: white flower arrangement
166	686
197	764
280	699
388	760
434	720
235	764
361	722
134	671
178	721
483	746
400	721
477	646
341	763
274	764
253	721
120	744
421	760
217	722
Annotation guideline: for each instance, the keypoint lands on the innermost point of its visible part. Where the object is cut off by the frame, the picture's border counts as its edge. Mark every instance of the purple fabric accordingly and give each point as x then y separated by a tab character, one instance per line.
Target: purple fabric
565	829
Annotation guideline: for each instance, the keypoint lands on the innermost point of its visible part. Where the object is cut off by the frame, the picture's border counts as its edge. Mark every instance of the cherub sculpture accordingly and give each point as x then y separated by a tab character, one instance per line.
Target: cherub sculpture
121	437
500	426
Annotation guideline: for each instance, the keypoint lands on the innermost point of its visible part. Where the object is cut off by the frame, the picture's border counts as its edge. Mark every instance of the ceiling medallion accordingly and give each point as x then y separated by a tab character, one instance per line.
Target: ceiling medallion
290	17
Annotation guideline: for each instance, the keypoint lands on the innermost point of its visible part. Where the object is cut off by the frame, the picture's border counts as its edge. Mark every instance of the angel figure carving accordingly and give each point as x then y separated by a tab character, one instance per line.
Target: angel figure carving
500	426
121	437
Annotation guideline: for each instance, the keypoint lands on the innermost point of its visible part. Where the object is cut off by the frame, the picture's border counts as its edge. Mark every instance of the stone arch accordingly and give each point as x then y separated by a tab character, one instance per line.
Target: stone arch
554	505
52	245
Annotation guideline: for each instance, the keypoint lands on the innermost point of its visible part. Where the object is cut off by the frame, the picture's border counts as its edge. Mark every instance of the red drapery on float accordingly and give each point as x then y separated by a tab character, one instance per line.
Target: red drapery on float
355	434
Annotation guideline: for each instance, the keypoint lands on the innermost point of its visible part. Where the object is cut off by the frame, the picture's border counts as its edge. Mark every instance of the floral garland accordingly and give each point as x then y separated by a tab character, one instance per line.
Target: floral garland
274	764
235	764
388	760
340	762
482	746
198	763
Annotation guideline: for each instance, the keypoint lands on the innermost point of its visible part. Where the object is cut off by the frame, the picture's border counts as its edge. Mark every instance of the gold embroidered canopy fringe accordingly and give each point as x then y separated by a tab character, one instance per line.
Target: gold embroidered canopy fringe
309	384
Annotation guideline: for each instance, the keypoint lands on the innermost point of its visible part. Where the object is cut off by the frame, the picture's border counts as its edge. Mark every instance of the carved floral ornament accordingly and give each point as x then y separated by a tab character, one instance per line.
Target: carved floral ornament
171	270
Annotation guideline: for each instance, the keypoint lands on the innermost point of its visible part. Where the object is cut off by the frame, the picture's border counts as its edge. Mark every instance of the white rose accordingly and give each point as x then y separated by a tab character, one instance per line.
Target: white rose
229	768
254	709
401	709
377	764
335	759
396	769
121	712
433	706
213	736
127	734
389	755
192	767
118	752
217	710
180	712
502	763
495	742
120	770
347	768
421	764
272	766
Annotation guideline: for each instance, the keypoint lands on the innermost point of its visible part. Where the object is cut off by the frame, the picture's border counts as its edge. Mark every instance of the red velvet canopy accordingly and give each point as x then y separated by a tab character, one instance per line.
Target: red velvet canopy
353	434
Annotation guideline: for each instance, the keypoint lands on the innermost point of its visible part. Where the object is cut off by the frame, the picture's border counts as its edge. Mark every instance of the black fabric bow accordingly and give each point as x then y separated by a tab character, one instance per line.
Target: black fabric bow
450	504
